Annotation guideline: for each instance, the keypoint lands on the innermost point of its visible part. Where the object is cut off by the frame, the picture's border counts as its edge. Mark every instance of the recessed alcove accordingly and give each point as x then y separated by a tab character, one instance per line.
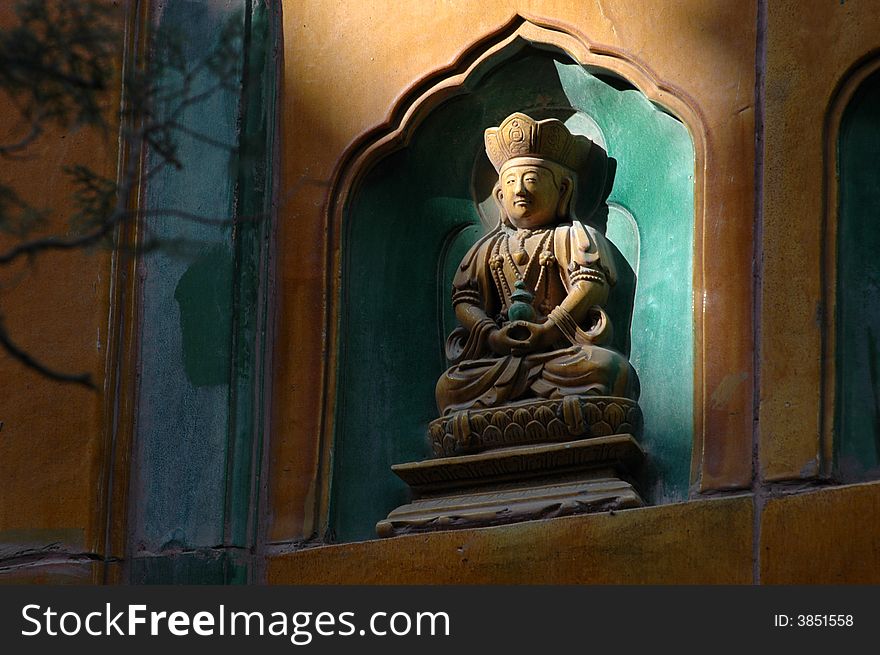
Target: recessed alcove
857	407
416	211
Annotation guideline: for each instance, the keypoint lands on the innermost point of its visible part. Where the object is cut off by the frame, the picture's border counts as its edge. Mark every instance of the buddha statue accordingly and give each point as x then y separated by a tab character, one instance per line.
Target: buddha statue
538	412
530	295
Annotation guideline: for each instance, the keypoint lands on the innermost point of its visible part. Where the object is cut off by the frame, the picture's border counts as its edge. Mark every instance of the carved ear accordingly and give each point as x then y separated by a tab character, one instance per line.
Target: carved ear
566	189
498	195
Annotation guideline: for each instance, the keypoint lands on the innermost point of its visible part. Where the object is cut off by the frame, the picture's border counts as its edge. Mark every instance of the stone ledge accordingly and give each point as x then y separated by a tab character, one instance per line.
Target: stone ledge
698	542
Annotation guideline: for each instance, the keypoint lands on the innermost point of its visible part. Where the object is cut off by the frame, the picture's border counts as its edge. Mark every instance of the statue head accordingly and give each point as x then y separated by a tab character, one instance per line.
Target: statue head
536	163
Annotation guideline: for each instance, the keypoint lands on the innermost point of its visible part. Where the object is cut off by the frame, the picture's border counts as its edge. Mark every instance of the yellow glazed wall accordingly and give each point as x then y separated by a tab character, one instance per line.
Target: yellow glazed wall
711	54
54	452
811	55
346	69
341	94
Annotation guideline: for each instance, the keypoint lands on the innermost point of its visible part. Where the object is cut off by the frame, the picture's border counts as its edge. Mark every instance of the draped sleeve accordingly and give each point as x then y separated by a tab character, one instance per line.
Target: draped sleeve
583	253
472	285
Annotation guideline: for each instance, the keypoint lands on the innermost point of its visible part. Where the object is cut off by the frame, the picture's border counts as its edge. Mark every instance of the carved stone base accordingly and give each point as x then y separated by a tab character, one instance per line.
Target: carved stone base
517	484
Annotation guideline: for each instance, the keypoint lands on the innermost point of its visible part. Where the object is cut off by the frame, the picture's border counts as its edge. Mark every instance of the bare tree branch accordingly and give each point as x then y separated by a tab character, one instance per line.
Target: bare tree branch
55	67
202	220
9	149
204	138
25	358
30	248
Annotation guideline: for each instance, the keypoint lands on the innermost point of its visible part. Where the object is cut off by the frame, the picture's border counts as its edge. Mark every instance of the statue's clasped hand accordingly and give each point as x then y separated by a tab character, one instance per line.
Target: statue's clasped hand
520	338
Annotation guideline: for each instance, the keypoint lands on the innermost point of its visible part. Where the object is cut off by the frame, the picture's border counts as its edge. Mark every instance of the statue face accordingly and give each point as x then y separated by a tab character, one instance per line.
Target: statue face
529	195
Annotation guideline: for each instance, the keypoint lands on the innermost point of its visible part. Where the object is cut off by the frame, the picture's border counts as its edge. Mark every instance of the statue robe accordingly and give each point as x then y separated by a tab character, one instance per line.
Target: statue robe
481	378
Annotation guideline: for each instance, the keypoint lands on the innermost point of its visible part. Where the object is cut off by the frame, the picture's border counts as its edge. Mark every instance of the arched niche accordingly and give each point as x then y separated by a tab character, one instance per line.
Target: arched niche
416	208
857	313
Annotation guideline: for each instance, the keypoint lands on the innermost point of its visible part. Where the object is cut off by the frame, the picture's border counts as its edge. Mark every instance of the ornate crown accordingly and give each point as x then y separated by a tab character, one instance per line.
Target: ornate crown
521	136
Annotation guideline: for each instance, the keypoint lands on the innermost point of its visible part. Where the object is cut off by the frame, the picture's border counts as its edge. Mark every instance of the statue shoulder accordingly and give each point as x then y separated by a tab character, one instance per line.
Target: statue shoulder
479	251
471	270
581	245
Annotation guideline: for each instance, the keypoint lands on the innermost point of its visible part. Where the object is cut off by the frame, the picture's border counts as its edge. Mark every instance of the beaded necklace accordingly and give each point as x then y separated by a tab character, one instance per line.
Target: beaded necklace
543	256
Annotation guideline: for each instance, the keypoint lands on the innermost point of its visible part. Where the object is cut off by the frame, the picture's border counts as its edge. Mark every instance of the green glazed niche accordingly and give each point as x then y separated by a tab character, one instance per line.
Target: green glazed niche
857	411
415	215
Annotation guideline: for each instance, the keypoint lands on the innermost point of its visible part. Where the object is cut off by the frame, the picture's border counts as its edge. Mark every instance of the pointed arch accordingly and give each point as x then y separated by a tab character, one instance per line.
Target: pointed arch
461	76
